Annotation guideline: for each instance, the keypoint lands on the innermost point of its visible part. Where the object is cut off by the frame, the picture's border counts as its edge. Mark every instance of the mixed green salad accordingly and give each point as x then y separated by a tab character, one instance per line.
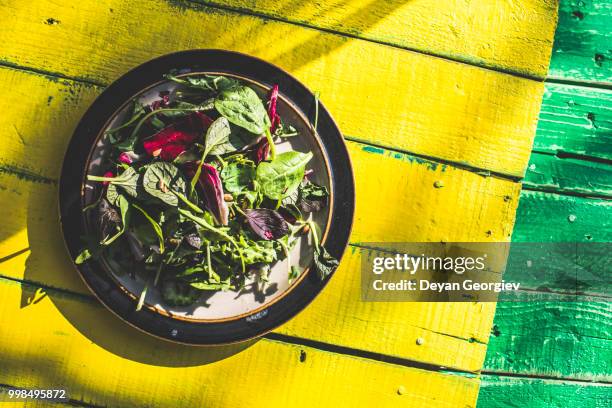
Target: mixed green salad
196	198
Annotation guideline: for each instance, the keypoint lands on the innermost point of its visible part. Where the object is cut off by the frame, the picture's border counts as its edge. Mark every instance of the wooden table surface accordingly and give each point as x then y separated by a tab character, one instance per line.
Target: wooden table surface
424	91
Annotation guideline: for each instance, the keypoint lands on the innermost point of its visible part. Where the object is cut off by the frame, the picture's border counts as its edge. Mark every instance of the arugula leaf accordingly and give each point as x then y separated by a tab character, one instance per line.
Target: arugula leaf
238	177
206	82
282	176
312	197
180	109
324	263
178	293
156	227
163	180
242	107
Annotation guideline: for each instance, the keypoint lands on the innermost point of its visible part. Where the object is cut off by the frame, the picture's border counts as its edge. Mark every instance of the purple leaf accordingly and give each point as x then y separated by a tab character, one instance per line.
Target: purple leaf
267	224
212	190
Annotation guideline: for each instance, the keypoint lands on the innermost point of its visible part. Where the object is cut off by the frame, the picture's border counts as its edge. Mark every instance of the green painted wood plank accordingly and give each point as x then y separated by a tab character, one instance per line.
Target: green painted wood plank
537	336
575	120
563	174
545	217
549	218
582	48
504	392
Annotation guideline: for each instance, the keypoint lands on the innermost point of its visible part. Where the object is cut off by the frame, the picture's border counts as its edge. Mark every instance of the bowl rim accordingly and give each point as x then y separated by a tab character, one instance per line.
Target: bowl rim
256	323
313	135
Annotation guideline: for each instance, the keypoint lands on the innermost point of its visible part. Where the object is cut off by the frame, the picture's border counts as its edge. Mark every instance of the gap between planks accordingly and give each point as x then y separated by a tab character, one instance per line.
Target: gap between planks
277	337
197	5
543	377
55	76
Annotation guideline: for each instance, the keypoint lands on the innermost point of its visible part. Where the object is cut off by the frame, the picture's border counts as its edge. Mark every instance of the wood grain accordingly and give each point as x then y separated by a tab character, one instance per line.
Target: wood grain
568	175
513	37
102	361
419	213
540	336
377	93
545	217
582	41
575	120
500	392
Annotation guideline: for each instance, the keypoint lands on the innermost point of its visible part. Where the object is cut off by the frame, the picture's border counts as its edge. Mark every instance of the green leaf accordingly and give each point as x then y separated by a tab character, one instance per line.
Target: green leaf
156	227
211	83
237	140
238	177
128	181
181	109
324	263
124	208
217	134
223	285
85	255
163	180
294	272
282	176
242	107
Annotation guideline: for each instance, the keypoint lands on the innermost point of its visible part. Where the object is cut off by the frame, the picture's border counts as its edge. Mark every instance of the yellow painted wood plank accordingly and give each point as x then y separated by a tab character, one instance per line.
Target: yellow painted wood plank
378	93
510	35
482	209
40	347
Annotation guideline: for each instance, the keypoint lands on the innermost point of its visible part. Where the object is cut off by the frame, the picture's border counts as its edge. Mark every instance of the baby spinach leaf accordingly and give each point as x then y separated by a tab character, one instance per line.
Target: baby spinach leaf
128	181
280	177
238	177
217	135
267	224
163	180
238	139
242	107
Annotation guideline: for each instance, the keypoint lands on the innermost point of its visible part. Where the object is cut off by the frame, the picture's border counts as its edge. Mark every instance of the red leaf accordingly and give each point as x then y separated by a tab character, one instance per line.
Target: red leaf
173	140
212	190
274	118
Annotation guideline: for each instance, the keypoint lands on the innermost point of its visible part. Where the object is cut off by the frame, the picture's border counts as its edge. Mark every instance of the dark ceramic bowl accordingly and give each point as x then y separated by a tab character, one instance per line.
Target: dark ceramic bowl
219	317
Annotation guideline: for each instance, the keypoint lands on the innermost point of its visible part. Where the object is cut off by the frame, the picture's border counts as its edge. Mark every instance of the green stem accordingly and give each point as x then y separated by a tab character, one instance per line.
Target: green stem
156	227
196	176
201	222
315	237
113	180
271	143
158	273
188	202
288	255
237	208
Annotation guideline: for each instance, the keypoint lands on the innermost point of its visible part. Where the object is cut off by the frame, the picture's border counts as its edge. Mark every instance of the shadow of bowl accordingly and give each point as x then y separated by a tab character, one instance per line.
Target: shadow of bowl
48	262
